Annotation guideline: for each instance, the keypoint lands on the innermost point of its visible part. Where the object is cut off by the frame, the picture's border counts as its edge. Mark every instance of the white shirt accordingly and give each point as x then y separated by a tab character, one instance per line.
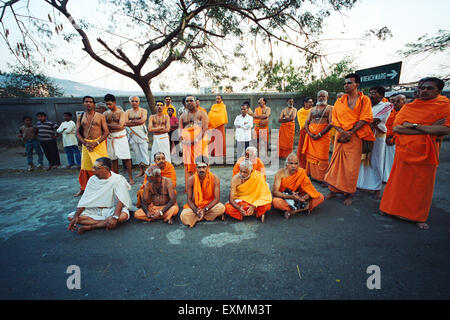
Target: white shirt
243	127
69	136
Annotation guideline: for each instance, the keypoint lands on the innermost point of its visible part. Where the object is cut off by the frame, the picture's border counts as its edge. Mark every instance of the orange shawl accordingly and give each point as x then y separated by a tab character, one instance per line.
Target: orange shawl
167	107
302	114
203	192
255	190
299	180
217	115
258	111
258	166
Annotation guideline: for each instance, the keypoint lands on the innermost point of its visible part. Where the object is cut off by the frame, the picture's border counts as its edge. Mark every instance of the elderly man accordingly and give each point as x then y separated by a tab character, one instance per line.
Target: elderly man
249	194
194	138
105	201
292	190
118	146
167	171
351	116
371	169
218	118
159	200
251	153
316	145
203	195
261	121
418	127
137	133
287	129
398	101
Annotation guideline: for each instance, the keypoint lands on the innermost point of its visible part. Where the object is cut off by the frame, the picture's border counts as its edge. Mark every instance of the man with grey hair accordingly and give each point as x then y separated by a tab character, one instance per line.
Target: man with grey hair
316	145
159	200
251	154
137	133
249	193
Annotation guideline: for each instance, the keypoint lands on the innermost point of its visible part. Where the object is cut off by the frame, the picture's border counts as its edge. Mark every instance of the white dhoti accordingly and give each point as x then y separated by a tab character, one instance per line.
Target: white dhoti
101	196
117	145
138	140
161	144
370	176
388	161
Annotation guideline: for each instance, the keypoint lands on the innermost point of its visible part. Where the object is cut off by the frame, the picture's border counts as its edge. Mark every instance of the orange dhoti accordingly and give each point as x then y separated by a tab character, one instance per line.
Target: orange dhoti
316	152
286	139
218	118
169	214
409	190
300	155
192	151
235	213
218	146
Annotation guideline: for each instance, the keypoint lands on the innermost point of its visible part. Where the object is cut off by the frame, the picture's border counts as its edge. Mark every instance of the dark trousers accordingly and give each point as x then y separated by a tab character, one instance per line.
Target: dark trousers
73	155
51	152
241	147
36	146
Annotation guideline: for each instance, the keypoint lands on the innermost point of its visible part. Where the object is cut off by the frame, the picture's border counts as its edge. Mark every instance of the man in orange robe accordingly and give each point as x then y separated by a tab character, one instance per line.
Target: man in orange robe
218	118
249	194
317	140
203	195
351	116
251	153
418	129
302	114
194	139
287	129
261	122
167	105
167	171
197	101
292	187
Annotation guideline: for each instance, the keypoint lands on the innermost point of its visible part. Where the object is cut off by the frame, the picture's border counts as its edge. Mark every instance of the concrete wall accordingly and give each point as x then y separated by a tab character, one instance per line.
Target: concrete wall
13	110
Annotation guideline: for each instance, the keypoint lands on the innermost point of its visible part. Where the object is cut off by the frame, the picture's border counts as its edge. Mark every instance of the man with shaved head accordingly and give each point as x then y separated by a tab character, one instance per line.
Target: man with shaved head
292	190
249	193
251	154
398	101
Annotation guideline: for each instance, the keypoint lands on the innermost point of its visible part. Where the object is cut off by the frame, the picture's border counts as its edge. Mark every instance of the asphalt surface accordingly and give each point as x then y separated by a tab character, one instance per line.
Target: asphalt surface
321	256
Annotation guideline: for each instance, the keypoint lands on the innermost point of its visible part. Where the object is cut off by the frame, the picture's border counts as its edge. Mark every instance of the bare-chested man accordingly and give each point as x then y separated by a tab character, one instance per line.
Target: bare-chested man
287	129
118	147
159	126
92	132
137	133
159	200
193	126
316	145
261	117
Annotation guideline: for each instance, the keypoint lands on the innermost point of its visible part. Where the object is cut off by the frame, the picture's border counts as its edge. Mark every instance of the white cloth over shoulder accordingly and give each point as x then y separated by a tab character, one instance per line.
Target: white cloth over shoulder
104	193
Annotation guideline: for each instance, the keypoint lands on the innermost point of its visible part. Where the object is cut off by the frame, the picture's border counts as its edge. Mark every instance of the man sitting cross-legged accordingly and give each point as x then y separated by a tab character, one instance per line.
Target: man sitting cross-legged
249	193
292	190
105	200
159	200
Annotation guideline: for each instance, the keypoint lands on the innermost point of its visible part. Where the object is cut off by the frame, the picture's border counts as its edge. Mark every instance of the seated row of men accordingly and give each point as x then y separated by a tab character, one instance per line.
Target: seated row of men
106	201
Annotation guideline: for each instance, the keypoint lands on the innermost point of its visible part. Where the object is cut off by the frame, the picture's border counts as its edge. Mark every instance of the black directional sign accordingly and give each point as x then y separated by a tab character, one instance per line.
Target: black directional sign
386	75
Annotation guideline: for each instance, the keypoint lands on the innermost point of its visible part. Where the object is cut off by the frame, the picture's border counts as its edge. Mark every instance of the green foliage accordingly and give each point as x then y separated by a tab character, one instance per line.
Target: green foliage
426	44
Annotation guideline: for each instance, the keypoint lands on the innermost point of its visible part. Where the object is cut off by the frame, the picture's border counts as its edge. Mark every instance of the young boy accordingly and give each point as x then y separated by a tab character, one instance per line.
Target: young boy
68	129
28	133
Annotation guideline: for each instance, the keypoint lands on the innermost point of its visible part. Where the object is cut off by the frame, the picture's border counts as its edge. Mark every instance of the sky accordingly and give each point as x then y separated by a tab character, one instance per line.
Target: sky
407	20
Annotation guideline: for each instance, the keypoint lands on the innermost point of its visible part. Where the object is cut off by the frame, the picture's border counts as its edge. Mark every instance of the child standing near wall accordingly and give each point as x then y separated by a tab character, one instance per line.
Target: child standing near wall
28	133
68	129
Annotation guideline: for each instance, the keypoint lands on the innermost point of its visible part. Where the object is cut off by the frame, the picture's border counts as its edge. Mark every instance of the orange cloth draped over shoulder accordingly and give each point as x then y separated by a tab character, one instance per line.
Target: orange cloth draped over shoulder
256	192
409	190
286	139
258	166
168	172
200	108
257	123
191	151
390	123
167	107
343	170
203	192
218	118
317	151
302	114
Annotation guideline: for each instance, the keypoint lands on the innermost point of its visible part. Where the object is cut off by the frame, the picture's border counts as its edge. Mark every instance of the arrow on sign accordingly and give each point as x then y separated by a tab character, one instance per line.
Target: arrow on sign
393	74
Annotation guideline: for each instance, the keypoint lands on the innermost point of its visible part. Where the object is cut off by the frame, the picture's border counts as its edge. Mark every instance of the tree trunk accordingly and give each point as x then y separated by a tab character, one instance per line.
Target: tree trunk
145	86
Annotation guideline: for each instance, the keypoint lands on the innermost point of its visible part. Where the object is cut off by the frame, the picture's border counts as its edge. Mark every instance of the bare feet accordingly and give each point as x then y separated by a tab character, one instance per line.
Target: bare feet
83	229
223	217
262	218
348	200
131	182
423	225
330	195
287	215
79	193
170	221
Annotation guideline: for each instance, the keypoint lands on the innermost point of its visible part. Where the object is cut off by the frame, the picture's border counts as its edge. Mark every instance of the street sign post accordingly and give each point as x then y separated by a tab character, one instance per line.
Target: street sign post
386	75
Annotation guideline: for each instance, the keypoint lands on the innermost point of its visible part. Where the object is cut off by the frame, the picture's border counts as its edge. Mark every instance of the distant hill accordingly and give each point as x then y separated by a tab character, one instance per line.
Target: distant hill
77	89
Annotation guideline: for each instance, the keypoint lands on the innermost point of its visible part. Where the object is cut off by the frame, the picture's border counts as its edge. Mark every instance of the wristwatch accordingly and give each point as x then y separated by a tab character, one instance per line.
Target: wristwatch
415	125
160	213
115	217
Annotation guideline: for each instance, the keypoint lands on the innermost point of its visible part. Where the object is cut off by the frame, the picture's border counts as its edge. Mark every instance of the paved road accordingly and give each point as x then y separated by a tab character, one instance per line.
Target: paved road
321	256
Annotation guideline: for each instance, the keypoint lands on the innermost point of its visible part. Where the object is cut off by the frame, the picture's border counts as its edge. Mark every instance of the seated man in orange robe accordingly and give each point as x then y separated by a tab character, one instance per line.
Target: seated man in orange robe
194	139
167	171
302	114
351	116
251	153
292	190
317	141
203	195
159	199
418	129
218	118
249	194
287	129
